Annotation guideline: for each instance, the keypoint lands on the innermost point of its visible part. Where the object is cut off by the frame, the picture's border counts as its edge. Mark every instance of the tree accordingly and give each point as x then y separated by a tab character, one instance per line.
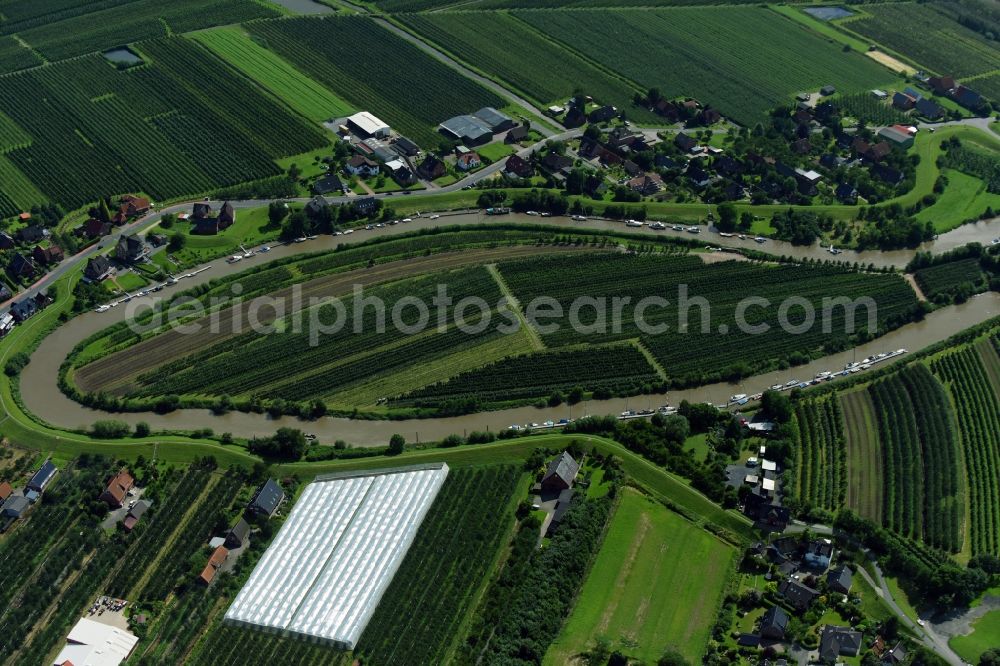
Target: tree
672	657
276	212
103	212
285	444
177	242
396	444
776	406
990	658
142	429
727	217
167	220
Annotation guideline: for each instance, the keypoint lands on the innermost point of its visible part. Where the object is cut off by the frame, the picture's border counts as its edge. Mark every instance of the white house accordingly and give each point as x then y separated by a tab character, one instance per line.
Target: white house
359	165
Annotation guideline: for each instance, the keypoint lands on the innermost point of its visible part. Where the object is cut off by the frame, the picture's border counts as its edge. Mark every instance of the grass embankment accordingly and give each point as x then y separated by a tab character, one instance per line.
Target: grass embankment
985	635
641	592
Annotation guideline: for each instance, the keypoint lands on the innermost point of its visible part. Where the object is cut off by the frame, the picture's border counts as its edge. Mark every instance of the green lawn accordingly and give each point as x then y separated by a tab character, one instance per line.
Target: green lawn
985	635
251	227
965	198
274	73
655	583
496	151
902	600
127	280
698	445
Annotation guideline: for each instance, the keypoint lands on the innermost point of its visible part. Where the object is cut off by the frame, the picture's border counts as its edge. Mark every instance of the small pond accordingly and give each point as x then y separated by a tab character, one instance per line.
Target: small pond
828	13
122	56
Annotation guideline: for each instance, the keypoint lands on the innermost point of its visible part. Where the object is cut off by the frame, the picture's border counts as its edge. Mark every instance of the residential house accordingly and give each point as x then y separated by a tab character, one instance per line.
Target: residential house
968	98
134	514
773	624
23	309
131	249
206	225
725	165
94	228
698	176
837	642
826	91
267	499
215	562
400	172
359	165
560	473
432	167
887	174
708	116
733	191
668	109
646	184
406	147
14	507
5	293
6	241
819	554
631	168
329	183
942	85
44	256
30	234
117	489
602	114
575	117
903	102
846	193
42	478
896	655
556	163
516	134
798	595
468	161
237	536
667	162
686	143
929	109
518	167
366	206
315	206
200	210
21	266
839	579
97	269
802	117
131	206
801	146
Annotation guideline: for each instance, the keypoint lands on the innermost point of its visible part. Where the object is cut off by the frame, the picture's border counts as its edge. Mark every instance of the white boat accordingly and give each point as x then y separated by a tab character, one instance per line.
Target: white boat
633	223
737	397
264	248
434	217
579	218
760	239
725	235
777	387
103	308
792	382
694	230
300	239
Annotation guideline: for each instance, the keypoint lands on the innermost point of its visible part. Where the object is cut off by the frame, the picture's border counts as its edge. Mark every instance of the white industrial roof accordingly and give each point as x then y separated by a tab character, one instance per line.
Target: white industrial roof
368	123
325	572
769	465
768	484
95	644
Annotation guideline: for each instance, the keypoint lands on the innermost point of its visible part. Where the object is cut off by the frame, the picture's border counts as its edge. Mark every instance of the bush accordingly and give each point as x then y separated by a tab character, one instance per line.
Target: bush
110	429
16	363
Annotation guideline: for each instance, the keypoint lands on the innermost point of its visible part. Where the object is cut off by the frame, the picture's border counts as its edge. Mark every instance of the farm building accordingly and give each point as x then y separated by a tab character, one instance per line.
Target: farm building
496	121
117	490
467	129
237	536
366	124
516	134
43	477
560	473
267	499
134	514
929	109
337	553
897	135
215	562
406	147
14	507
92	643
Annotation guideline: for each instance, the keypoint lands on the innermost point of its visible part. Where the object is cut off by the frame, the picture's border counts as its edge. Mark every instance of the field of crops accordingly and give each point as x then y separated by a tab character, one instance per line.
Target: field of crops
616	369
232	646
106	25
701	356
988	86
652	565
927	37
976	161
183	126
822	456
418	619
864	455
921	458
978	414
524	58
265	67
14	56
742	60
398	82
866	107
945	277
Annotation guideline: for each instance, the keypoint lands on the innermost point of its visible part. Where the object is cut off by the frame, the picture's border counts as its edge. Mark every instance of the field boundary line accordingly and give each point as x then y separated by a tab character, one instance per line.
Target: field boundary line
533	336
641	348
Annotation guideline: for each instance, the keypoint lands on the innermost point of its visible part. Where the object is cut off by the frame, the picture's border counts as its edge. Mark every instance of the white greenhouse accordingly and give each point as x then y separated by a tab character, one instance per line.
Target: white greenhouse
324	574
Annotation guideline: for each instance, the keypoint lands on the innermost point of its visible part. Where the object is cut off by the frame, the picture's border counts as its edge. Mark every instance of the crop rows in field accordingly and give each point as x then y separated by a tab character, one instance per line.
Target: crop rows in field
14	56
864	455
134	22
988	86
822	474
978	414
161	521
235	646
403	85
268	69
293	366
945	277
183	625
921	464
208	515
180	126
701	356
978	162
617	369
417	620
928	38
524	58
743	61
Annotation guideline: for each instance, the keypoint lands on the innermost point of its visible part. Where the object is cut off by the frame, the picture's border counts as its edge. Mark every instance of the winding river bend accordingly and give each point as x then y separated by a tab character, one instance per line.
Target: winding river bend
41	395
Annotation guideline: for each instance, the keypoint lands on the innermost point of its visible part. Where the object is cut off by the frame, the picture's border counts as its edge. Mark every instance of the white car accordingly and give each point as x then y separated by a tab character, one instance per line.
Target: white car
751	462
435	216
407	219
348	231
531	212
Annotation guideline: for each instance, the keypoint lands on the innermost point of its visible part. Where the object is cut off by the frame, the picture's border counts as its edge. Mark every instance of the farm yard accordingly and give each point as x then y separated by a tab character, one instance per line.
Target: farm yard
642	591
720	56
944	46
405	86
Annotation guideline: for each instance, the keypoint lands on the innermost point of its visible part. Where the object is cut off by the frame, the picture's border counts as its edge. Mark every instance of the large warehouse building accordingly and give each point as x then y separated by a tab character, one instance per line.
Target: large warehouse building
324	574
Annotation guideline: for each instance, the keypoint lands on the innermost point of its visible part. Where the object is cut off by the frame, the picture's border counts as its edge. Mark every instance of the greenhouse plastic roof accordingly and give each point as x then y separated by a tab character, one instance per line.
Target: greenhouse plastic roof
325	572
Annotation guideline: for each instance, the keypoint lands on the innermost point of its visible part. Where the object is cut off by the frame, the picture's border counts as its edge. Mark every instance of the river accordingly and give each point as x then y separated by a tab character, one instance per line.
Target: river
42	396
